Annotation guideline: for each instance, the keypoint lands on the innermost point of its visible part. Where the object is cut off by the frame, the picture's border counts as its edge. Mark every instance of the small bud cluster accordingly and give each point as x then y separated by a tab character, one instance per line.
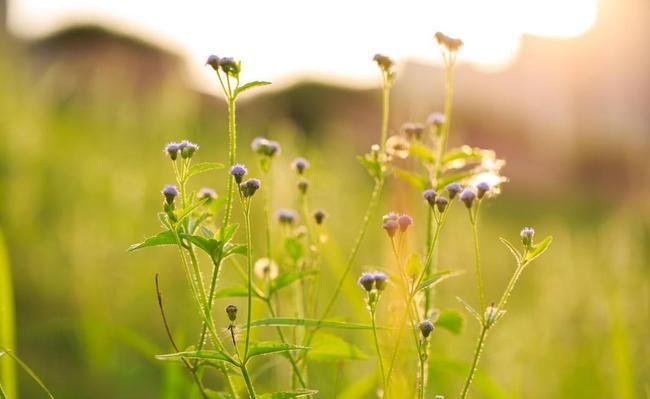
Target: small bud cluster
265	147
374	280
397	147
384	62
185	148
227	64
450	43
231	311
286	216
436	200
238	171
394	222
527	234
249	187
413	131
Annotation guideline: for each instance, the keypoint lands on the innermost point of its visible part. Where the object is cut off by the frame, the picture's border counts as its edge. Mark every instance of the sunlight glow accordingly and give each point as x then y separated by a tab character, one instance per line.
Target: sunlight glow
286	39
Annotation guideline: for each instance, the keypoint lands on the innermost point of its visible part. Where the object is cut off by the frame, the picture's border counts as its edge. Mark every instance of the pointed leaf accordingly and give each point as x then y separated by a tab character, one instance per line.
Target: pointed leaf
327	347
287	322
209	245
287	278
455	178
187	211
203	355
471	310
233	292
294	248
26	369
512	249
225	234
234	249
417	181
288	394
437	278
203	167
538	249
267	347
250	85
451	321
421	151
163	238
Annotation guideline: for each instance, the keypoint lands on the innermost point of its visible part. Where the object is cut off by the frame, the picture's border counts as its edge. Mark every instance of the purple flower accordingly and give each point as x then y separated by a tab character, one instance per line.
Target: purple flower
263	146
249	187
436	119
367	280
229	66
172	150
482	188
454	189
286	216
430	196
391	227
527	234
404	222
207	193
390	216
213	61
380	280
319	216
413	131
300	165
187	149
441	203
238	171
426	328
468	196
170	192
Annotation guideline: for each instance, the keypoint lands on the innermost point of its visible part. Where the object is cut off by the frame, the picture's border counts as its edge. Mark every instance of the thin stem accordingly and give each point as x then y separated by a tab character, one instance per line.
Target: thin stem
384	115
477	356
511	285
423	357
477	257
379	356
249	243
232	131
292	360
247	380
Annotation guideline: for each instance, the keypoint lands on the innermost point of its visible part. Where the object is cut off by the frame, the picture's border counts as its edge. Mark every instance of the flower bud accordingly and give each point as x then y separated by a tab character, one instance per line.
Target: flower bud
449	43
172	150
441	203
436	119
367	280
300	165
319	216
527	234
229	66
468	196
238	171
303	185
266	268
380	280
206	193
404	222
286	216
188	149
426	328
413	131
391	227
454	189
231	311
265	147
170	192
384	62
249	187
482	188
213	61
429	196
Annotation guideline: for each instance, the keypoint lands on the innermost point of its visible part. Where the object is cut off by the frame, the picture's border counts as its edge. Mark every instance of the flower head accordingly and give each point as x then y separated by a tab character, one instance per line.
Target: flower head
450	43
397	146
384	62
172	150
390	216
229	66
207	193
286	216
468	196
300	165
482	188
319	216
391	227
454	189
413	131
213	61
426	328
441	203
187	149
266	268
231	311
249	187
527	234
170	193
303	185
404	222
436	119
429	195
367	281
265	147
380	280
238	171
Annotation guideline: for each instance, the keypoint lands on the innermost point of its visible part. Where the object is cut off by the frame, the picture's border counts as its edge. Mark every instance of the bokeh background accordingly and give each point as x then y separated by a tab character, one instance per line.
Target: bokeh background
89	95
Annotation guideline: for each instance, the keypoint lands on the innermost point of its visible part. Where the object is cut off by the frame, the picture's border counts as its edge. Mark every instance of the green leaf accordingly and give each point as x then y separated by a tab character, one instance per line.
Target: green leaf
225	234
512	249
217	394
538	249
288	394
437	278
451	321
373	167
250	85
471	310
163	238
287	322
458	177
331	348
209	245
233	292
234	249
187	211
203	167
417	181
287	278
267	348
294	248
203	355
27	369
464	153
423	152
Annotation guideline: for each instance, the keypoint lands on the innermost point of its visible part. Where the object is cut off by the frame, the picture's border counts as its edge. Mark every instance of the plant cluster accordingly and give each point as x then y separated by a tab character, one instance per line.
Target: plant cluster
201	221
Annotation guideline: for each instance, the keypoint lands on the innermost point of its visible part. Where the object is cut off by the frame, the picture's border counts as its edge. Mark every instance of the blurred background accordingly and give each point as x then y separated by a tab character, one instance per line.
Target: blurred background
91	91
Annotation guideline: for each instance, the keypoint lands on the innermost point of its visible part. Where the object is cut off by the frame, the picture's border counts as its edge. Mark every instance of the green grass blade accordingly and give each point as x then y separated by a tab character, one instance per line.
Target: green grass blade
7	327
286	322
27	370
267	348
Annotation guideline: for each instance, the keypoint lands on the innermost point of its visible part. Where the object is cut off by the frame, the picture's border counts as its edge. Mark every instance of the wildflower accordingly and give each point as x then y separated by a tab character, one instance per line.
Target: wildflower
367	280
436	119
187	149
468	196
482	188
390	216
170	192
303	185
213	61
300	165
430	196
384	62
527	234
413	131
229	66
286	216
207	193
441	203
426	328
397	146
265	147
319	216
380	280
249	187
238	171
404	222
453	189
451	44
391	227
231	311
266	268
172	149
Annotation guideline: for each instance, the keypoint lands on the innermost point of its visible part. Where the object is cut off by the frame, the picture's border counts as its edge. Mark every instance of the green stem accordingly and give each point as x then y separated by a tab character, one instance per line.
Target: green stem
379	356
247	380
423	357
384	116
477	356
477	257
232	132
292	360
249	243
511	285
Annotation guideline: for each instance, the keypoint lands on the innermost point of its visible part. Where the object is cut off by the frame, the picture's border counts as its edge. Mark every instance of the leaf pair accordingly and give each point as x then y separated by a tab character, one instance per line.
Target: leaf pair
255	349
528	255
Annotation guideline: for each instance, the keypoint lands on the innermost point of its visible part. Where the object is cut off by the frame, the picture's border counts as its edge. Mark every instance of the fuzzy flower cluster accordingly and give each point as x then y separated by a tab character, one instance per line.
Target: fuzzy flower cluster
185	149
265	147
227	64
374	280
394	222
450	43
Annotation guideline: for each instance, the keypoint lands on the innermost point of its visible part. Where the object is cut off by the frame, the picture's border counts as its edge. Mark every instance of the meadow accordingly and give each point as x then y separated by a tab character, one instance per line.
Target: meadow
82	174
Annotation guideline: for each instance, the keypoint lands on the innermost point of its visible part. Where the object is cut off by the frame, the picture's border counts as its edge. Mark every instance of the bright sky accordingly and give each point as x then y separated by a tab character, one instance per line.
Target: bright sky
334	39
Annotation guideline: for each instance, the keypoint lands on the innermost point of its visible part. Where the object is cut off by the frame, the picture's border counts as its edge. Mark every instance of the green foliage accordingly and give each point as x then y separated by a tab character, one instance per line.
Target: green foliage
288	394
162	238
437	278
250	85
26	369
203	167
451	321
332	348
7	326
267	348
287	322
